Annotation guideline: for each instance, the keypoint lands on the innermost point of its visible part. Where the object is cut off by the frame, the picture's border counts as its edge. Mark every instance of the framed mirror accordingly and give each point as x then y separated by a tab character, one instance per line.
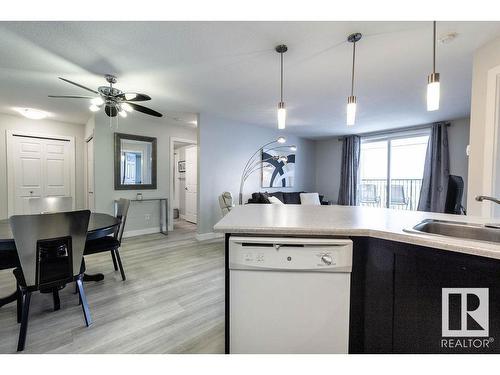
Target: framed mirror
135	162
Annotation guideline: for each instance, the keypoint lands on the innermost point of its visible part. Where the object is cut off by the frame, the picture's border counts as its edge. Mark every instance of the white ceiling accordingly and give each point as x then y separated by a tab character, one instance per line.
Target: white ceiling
231	69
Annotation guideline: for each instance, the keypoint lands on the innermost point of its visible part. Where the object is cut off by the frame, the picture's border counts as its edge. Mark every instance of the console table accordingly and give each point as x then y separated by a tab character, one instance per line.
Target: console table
163	213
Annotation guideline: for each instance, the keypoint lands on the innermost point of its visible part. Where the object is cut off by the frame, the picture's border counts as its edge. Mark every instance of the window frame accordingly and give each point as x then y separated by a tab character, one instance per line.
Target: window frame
389	137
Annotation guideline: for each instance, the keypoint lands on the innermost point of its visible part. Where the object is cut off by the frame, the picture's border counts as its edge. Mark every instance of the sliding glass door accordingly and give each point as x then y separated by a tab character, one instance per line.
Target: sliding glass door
391	170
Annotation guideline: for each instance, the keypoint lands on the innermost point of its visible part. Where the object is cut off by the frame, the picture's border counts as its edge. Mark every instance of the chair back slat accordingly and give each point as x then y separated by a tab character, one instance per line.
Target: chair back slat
31	230
121	214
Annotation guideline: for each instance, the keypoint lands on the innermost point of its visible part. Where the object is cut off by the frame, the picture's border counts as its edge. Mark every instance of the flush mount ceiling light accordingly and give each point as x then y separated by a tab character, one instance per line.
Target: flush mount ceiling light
281	49
351	100
116	102
433	89
31	113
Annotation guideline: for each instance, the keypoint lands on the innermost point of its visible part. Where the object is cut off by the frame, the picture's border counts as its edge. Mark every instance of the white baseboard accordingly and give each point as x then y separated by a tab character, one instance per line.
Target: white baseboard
140	232
208	236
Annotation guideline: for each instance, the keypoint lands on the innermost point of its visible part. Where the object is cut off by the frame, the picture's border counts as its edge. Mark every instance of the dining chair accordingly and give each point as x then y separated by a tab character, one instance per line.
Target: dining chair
50	204
50	250
112	243
398	195
369	194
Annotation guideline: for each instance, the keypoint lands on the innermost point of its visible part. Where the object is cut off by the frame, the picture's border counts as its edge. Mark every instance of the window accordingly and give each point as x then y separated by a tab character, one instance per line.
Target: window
391	169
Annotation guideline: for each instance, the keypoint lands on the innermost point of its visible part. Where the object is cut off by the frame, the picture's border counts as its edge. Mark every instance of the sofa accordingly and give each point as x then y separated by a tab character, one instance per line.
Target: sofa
287	197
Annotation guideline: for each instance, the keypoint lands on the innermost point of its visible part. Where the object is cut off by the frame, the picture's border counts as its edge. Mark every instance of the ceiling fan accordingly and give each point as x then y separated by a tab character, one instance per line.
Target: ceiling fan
116	102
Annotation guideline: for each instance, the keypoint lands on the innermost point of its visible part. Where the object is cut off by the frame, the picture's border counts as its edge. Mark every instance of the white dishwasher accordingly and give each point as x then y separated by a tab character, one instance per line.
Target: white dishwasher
289	295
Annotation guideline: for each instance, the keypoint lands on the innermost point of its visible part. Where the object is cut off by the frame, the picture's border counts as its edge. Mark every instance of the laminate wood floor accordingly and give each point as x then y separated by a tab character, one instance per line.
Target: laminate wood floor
171	302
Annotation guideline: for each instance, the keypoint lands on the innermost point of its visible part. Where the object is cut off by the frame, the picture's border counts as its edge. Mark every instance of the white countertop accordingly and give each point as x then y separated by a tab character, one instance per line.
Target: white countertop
271	219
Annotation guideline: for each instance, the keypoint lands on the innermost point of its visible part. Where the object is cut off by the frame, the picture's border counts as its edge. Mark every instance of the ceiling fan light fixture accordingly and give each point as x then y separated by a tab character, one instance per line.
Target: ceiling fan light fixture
98	101
94	108
130	95
126	107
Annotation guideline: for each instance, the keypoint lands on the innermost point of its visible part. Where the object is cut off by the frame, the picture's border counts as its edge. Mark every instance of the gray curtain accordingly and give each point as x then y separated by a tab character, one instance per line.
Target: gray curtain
349	175
436	170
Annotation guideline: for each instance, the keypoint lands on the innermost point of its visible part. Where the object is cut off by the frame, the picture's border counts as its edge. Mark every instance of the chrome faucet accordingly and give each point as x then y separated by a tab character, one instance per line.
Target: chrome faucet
481	198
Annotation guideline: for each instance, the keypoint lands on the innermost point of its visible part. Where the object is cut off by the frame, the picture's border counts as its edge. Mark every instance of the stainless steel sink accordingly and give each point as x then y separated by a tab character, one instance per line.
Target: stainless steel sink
459	230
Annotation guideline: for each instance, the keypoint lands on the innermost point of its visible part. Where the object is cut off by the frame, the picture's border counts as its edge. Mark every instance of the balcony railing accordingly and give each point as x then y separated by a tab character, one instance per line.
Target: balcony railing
404	193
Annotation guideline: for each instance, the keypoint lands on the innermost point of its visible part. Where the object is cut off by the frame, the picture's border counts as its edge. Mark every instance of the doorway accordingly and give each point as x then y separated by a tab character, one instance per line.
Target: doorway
184	185
90	173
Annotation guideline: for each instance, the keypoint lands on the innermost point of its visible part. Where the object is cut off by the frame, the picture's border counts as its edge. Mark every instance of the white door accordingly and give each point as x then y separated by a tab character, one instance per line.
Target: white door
90	175
191	184
38	167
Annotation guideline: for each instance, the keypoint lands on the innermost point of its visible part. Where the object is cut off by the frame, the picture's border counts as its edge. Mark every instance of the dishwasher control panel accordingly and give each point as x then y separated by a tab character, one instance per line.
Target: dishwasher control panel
303	254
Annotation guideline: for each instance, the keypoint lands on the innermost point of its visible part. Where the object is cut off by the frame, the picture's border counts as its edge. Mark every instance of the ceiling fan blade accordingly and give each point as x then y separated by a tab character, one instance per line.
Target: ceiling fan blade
148	111
110	111
138	97
71	96
77	84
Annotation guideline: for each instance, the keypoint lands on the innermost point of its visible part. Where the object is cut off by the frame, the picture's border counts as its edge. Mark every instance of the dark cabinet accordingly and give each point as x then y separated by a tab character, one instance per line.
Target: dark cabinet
396	298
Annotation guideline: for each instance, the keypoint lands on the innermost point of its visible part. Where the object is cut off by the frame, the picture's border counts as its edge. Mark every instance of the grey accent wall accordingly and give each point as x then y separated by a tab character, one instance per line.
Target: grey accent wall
328	159
143	216
48	127
224	149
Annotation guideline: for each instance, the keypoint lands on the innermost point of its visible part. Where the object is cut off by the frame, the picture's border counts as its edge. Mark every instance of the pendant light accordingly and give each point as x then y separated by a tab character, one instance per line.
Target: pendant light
433	89
351	100
281	49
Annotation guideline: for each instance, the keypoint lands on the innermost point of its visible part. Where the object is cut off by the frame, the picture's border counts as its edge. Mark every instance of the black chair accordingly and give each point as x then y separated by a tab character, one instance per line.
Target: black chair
50	250
454	194
112	243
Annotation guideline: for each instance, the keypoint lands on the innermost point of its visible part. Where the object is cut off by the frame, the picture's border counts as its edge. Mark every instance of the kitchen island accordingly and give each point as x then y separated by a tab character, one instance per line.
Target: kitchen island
397	276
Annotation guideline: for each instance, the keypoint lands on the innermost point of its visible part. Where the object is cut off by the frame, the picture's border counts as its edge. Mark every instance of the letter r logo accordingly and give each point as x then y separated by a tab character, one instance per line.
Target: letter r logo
465	312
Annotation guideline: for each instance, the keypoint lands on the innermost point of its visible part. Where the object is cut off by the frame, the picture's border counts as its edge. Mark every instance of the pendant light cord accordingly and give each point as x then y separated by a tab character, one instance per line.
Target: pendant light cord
434	49
353	61
281	87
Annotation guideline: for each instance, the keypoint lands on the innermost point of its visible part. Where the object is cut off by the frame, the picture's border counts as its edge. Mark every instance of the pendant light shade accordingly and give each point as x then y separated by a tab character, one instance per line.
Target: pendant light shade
433	88
281	115
281	49
351	100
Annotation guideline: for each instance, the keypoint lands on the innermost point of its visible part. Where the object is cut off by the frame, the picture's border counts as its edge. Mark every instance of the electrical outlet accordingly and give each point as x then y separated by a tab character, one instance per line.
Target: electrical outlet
147	217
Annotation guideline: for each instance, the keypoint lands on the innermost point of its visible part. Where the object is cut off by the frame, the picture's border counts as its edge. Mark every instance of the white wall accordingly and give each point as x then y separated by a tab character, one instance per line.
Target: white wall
224	148
105	194
46	127
485	58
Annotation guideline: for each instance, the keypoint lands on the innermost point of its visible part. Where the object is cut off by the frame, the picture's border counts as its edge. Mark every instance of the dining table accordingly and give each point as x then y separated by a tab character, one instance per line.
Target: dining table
100	225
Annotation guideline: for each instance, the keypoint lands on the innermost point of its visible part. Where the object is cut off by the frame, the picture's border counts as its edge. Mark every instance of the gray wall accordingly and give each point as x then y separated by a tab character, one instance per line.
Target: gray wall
46	127
329	153
224	149
105	194
328	159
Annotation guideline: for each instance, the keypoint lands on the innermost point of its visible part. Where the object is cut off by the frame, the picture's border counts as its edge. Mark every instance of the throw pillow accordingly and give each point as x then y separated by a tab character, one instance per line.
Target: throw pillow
310	199
275	200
